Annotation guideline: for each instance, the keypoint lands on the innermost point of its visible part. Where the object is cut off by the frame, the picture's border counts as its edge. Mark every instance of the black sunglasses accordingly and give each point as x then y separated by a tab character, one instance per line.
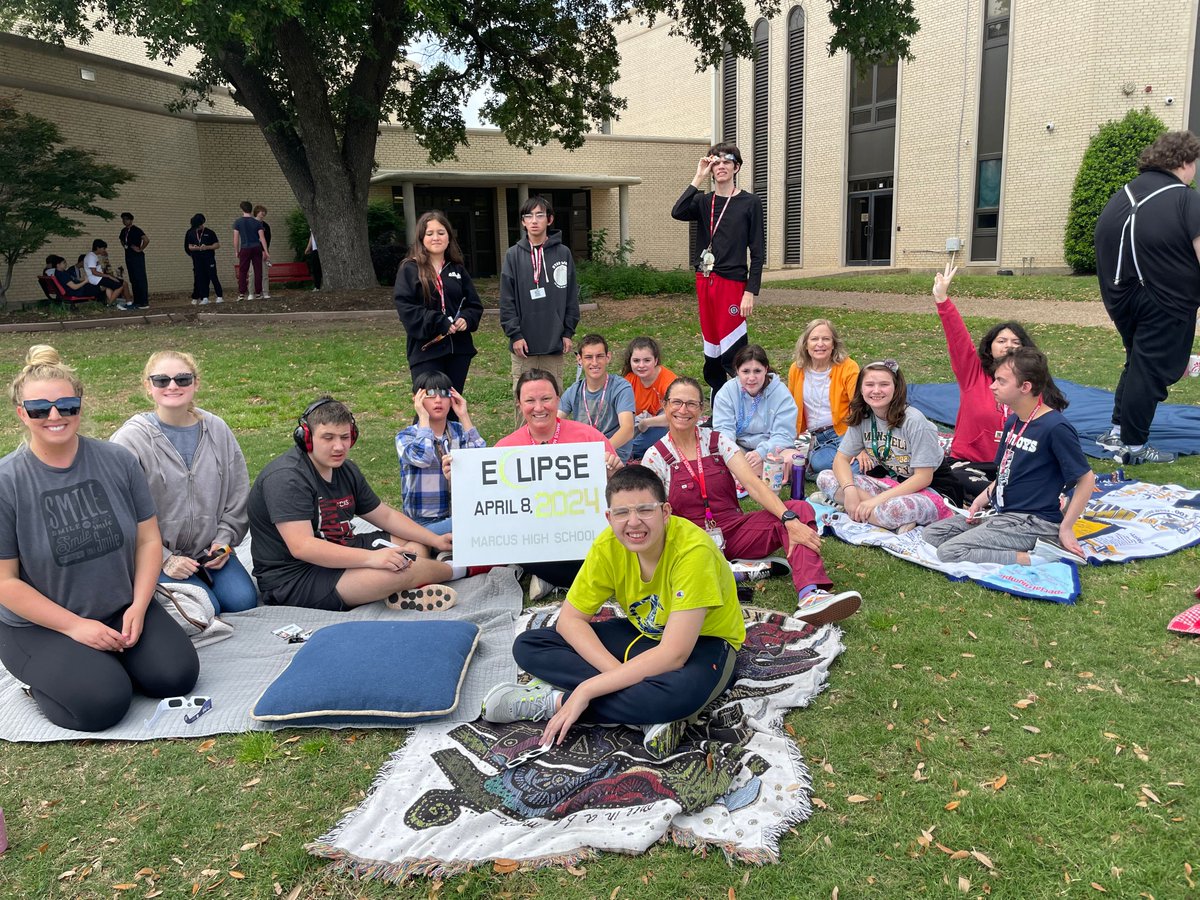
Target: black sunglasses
183	379
40	409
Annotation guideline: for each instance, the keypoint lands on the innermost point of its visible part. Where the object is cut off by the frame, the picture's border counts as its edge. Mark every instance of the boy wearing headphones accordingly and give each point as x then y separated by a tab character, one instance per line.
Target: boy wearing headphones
304	546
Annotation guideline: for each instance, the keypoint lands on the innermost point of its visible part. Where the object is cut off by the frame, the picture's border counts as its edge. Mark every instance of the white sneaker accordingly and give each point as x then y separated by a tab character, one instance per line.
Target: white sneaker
760	569
241	297
195	301
512	702
266	295
220	299
203	302
248	297
821	607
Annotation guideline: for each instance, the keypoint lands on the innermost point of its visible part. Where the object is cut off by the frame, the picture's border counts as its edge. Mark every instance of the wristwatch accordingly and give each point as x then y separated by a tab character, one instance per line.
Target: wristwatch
788	516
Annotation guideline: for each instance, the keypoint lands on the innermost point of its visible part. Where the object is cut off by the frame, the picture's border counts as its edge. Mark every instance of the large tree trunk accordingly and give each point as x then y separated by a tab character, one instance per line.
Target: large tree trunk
327	163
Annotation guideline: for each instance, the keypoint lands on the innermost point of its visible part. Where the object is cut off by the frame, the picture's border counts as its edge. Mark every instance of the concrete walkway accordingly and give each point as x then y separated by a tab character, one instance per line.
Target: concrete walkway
1050	312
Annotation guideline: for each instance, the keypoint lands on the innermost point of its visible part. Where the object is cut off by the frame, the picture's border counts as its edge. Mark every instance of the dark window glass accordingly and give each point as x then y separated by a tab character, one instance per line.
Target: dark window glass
860	117
987	190
885	112
987	220
860	91
997	30
885	83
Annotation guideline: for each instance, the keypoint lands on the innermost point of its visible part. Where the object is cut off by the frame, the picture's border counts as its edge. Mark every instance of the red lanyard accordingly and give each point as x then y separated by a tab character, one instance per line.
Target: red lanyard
553	440
592	420
698	475
712	211
437	282
537	259
1007	459
200	237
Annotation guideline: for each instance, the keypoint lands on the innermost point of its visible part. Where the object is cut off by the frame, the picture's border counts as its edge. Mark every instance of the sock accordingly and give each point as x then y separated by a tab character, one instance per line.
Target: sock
456	572
1135	447
1116	430
805	591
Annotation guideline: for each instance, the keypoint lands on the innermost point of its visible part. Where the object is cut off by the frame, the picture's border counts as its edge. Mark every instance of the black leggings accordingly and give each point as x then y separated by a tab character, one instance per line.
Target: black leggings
203	273
85	689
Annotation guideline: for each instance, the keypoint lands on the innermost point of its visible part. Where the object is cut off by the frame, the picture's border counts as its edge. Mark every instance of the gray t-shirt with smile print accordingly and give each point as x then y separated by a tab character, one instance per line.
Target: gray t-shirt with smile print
74	530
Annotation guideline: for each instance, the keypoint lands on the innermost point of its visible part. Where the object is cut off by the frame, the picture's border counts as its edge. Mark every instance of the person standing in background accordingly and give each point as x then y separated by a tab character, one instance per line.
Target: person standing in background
314	260
135	242
201	244
250	245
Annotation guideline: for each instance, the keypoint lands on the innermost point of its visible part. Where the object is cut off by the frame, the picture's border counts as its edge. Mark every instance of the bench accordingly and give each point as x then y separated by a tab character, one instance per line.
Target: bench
50	288
283	273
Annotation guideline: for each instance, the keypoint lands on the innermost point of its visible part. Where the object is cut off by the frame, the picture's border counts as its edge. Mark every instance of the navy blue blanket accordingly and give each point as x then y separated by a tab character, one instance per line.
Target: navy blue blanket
1175	428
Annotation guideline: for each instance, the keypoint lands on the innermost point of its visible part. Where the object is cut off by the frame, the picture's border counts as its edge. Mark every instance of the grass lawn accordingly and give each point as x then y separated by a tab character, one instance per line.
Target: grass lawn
1012	287
1086	717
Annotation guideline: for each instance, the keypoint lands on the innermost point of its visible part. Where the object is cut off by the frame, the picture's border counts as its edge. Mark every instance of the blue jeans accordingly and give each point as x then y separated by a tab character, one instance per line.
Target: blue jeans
821	453
437	526
233	589
644	441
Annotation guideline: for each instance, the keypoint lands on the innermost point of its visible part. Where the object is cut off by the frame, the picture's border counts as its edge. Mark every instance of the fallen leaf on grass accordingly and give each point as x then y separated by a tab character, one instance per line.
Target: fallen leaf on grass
615	891
983	859
1099	887
577	872
857	798
1000	782
251	783
206	746
959	854
1149	793
968	656
1032	729
732	894
964	884
234	873
290	740
127	886
505	866
819	803
1024	704
952	805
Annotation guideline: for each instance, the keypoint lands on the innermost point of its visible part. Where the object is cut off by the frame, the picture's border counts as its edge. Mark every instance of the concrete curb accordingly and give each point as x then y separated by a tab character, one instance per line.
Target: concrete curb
348	315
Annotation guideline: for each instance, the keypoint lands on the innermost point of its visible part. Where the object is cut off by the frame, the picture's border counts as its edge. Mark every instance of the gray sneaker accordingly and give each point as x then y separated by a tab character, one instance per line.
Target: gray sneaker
662	739
1110	440
512	702
1147	454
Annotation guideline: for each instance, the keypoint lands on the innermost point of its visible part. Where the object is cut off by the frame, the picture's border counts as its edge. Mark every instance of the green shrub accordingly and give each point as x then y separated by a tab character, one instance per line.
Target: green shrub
620	282
297	232
1109	161
384	226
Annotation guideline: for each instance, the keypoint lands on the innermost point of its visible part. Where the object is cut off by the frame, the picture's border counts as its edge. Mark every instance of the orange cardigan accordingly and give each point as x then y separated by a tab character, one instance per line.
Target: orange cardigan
842	380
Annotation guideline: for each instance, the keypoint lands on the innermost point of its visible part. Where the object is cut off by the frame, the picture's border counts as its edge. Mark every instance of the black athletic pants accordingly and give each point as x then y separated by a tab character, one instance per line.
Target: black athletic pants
85	689
204	272
314	268
135	267
1157	347
674	695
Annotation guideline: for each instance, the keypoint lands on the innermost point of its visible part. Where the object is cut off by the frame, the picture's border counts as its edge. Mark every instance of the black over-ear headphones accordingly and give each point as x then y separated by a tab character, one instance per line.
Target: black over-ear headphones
303	433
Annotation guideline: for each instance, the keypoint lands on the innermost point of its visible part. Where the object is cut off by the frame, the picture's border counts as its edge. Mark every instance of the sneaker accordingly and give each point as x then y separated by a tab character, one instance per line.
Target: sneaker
241	297
220	299
662	739
429	598
1148	454
539	589
266	295
249	297
821	607
760	569
1052	550
124	307
1110	440
512	702
195	301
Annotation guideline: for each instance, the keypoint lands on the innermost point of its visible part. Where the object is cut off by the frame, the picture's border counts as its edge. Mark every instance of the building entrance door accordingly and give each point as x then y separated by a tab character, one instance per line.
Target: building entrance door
869	229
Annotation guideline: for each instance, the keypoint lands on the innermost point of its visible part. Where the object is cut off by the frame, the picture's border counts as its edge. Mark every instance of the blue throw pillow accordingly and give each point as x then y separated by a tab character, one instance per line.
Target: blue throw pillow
393	674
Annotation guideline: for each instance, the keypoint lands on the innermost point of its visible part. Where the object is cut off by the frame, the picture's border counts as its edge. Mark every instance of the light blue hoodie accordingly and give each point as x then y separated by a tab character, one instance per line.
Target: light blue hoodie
772	425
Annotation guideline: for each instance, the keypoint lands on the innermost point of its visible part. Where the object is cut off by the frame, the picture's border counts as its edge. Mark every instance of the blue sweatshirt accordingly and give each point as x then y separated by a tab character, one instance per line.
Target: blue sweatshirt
771	426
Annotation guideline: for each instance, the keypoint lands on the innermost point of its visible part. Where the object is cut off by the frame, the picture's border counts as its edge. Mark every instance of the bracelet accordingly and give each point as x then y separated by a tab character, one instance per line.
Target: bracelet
848	484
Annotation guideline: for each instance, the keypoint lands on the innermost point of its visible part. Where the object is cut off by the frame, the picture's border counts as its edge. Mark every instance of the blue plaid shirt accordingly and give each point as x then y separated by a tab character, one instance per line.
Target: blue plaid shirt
426	491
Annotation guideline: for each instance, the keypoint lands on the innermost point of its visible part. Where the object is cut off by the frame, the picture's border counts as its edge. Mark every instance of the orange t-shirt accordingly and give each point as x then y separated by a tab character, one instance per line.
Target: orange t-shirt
650	399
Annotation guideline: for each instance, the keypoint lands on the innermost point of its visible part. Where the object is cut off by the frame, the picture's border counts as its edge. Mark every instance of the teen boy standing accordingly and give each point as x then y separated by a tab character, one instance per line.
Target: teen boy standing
539	296
730	226
655	669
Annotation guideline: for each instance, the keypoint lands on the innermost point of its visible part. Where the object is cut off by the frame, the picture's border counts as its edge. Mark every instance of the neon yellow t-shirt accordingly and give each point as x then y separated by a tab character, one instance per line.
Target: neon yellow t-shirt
691	574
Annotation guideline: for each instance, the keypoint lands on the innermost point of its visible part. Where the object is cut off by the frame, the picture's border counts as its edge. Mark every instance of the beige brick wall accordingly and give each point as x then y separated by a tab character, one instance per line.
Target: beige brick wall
658	78
187	163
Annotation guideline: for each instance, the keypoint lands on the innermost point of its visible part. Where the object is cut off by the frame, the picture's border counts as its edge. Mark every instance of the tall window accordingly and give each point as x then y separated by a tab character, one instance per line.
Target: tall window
729	97
760	150
989	162
793	160
873	97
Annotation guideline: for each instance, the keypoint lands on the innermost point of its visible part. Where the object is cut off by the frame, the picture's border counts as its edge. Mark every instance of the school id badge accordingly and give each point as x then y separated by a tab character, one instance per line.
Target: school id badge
537	293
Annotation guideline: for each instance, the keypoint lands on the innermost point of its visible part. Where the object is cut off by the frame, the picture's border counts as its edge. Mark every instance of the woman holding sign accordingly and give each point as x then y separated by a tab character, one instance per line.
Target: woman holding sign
698	467
537	399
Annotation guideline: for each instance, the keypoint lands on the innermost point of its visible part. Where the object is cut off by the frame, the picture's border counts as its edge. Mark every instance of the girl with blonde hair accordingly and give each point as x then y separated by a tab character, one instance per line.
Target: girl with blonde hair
79	552
198	478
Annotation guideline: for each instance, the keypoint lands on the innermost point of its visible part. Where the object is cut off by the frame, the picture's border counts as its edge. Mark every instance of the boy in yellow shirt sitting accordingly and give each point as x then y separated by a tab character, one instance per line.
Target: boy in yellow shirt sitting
671	656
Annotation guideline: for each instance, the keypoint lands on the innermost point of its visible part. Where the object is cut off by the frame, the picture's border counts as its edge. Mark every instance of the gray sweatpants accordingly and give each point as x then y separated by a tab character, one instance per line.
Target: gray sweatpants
996	539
